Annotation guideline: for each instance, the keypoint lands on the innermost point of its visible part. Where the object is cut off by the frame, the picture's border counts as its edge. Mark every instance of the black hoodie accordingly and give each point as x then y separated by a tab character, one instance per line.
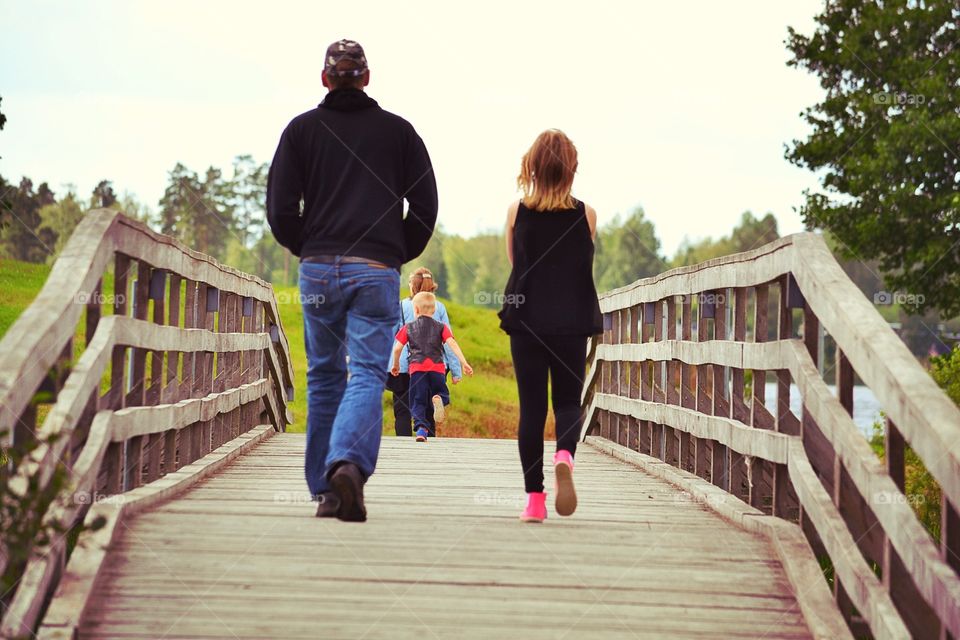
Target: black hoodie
352	164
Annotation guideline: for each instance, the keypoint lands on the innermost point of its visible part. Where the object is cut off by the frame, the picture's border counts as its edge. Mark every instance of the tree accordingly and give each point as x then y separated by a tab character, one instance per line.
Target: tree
59	219
198	212
103	195
177	201
626	251
20	236
248	195
884	139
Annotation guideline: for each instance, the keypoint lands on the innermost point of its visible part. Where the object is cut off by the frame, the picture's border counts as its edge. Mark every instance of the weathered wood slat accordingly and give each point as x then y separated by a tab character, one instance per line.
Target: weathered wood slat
72	593
486	574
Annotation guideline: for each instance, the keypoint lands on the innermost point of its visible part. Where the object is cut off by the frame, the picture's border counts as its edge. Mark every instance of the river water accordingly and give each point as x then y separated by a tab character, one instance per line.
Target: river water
866	407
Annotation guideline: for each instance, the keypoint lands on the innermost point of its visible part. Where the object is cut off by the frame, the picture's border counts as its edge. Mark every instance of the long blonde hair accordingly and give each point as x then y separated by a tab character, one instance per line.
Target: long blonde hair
547	170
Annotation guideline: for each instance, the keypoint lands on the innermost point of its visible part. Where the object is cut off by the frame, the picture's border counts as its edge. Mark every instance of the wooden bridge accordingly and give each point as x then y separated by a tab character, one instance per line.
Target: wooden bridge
702	513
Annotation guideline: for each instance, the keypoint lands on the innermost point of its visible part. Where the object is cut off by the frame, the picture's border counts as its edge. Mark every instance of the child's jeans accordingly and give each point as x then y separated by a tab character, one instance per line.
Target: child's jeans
423	386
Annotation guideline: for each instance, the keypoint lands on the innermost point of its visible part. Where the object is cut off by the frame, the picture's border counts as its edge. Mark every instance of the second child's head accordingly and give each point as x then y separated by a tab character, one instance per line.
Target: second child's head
547	170
424	304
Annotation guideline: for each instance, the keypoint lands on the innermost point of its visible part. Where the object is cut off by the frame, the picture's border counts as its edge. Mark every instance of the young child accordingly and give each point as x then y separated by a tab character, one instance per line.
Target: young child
425	338
550	308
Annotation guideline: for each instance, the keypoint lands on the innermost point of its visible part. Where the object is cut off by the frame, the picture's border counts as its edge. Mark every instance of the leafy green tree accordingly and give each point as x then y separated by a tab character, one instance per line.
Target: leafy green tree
884	139
200	212
20	236
59	219
103	195
626	250
248	195
177	201
461	269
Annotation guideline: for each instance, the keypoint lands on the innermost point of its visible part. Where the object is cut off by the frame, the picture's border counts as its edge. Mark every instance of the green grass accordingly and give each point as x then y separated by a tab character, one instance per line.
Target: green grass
19	284
482	406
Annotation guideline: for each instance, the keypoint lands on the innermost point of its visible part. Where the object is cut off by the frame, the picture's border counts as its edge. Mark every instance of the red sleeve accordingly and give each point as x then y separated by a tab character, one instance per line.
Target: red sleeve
447	334
402	335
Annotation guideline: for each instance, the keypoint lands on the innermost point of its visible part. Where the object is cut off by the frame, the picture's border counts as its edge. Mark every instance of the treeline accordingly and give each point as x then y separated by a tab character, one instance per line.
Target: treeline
474	270
216	212
221	213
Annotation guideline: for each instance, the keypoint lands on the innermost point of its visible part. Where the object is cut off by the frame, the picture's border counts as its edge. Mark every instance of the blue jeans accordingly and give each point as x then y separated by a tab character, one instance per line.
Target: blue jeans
349	309
423	386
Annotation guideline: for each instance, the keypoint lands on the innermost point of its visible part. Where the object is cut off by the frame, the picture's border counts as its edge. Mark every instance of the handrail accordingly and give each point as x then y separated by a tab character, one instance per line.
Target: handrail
225	371
29	349
655	385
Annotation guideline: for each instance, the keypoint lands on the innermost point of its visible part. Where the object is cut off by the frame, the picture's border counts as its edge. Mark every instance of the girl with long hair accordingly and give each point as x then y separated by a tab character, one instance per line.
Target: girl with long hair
550	309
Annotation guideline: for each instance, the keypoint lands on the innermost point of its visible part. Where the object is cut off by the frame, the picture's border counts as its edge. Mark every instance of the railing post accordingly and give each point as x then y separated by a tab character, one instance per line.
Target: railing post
633	428
719	470
623	383
785	502
647	377
704	447
739	477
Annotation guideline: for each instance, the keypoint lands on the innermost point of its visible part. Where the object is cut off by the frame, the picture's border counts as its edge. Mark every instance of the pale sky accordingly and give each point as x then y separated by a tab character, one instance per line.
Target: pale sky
681	108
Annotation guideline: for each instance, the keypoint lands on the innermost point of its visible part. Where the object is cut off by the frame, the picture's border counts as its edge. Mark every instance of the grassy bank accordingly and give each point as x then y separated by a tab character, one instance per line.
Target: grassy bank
483	406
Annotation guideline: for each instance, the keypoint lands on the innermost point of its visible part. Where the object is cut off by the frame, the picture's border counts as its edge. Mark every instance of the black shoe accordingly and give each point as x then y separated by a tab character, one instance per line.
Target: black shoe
328	505
347	484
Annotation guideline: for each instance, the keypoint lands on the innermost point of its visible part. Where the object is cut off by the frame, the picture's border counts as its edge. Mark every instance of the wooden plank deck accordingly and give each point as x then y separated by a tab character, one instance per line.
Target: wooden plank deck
442	555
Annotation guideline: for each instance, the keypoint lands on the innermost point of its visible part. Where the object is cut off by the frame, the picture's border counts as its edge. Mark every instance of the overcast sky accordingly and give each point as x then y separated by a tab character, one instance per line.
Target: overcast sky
681	108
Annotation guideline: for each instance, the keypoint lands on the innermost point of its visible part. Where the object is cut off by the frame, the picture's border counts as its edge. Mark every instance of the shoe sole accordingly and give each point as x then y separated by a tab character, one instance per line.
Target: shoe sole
439	413
529	519
351	509
566	502
421	439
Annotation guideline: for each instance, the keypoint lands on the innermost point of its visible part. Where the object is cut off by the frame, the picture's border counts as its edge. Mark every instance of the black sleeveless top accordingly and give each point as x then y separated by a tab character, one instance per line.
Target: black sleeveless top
551	289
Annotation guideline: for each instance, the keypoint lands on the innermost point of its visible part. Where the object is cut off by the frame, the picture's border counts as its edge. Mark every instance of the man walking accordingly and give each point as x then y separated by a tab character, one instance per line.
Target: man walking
335	199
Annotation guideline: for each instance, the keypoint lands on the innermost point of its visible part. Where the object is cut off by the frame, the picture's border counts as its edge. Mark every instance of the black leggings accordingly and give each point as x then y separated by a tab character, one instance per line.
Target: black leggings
565	358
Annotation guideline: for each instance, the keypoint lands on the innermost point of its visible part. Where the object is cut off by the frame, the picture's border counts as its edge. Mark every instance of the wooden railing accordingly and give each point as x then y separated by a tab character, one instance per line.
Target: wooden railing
679	374
193	356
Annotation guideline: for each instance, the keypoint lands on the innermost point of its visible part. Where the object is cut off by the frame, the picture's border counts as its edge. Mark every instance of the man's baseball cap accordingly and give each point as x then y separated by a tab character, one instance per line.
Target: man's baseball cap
345	50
